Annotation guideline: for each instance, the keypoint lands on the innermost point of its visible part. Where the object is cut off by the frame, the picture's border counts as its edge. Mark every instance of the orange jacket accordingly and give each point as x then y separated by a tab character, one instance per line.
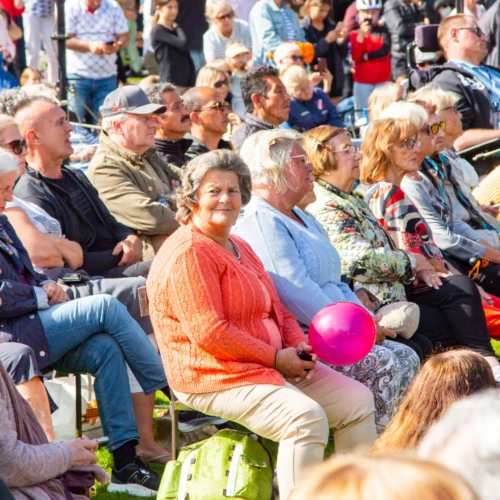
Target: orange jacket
207	310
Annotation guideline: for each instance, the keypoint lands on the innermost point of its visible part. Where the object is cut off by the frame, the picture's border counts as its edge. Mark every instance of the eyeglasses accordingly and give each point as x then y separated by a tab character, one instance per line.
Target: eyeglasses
221	83
350	150
454	108
434	128
221	106
17	146
410	143
230	15
304	158
477	30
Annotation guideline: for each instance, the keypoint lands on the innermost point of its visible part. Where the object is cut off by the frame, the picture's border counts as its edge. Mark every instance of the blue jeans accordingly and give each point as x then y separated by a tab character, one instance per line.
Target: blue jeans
96	335
90	93
361	93
198	59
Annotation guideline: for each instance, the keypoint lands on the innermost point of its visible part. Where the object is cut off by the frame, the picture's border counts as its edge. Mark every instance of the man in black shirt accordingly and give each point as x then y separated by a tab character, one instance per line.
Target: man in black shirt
110	249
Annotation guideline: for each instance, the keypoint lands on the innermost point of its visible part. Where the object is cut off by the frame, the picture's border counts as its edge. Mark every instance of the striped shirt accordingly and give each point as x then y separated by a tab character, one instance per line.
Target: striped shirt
290	32
214	43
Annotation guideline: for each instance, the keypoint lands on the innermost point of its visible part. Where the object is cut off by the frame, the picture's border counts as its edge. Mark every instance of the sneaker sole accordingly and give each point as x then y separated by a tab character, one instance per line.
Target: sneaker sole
135	490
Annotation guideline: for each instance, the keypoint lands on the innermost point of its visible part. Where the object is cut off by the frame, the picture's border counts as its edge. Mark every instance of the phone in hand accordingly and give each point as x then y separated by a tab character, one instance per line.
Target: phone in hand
111	43
322	65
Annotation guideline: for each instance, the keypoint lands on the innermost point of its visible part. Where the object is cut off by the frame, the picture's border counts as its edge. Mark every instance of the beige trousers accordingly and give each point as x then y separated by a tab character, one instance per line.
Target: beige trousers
297	416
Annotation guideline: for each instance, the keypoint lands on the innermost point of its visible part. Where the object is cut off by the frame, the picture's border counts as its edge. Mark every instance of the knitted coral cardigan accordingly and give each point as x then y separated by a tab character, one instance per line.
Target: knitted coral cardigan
207	309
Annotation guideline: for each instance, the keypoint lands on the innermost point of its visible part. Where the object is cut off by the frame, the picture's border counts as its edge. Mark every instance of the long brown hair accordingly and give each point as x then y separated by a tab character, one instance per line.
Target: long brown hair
444	378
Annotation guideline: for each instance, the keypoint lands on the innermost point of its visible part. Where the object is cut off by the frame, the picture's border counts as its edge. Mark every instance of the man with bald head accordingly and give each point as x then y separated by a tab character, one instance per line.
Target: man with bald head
465	47
109	248
209	120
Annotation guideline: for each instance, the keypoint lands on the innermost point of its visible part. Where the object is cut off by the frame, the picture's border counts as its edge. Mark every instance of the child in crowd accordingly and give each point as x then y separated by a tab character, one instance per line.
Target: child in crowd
237	56
30	76
171	47
371	53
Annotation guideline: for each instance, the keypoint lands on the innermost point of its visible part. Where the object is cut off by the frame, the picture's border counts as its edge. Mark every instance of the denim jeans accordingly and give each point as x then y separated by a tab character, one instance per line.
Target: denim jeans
96	335
362	92
90	93
198	59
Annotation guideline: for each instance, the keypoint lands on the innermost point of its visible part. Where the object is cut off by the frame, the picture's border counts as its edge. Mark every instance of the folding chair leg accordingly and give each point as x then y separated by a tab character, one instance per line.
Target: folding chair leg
175	426
78	399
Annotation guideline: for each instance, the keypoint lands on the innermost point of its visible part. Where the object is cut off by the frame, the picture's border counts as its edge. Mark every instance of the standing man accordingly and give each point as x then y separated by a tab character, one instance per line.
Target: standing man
100	30
38	20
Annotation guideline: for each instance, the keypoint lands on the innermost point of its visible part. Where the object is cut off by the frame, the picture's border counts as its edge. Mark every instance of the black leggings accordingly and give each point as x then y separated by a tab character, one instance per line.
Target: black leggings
453	315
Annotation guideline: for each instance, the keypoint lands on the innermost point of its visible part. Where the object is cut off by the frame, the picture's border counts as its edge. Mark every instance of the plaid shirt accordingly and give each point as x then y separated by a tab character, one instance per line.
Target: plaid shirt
102	25
39	8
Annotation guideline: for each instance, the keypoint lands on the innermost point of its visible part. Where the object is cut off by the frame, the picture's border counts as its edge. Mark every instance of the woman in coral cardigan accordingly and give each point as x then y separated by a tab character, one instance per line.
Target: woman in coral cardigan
229	346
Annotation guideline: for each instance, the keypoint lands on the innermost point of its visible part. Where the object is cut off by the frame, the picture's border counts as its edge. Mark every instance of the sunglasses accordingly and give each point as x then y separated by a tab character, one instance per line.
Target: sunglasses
216	106
476	29
225	16
434	128
221	83
17	146
296	58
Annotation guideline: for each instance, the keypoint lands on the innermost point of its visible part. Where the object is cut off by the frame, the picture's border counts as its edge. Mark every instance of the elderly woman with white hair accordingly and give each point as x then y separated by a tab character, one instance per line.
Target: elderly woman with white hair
229	345
450	304
304	265
224	29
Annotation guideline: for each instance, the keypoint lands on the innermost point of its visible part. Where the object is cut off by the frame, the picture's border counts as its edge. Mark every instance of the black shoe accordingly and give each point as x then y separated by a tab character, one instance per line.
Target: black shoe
136	479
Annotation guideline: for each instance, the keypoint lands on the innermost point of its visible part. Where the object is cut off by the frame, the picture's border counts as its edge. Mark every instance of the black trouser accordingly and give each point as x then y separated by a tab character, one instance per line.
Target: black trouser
488	277
453	315
419	343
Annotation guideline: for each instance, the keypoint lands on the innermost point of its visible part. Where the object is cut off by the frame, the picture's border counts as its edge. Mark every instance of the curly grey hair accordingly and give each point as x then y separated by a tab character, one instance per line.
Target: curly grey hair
220	159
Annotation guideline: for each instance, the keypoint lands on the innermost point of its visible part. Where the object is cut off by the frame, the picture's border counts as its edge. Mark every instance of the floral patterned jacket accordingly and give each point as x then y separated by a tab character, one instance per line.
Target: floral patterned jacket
368	254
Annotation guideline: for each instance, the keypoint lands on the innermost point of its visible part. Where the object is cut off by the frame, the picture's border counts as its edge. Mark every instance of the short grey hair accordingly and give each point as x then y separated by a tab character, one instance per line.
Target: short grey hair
155	92
467	440
108	121
433	95
8	162
267	153
406	111
215	6
193	173
194	99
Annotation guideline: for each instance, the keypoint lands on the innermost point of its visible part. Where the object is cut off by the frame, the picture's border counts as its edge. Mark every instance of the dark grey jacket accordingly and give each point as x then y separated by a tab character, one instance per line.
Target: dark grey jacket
251	125
490	24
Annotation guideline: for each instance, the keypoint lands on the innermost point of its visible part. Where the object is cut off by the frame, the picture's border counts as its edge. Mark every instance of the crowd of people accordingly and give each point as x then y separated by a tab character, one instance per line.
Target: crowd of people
179	234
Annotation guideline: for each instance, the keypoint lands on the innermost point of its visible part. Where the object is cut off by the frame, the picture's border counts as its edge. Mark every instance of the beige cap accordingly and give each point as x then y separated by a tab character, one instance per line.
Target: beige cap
235	48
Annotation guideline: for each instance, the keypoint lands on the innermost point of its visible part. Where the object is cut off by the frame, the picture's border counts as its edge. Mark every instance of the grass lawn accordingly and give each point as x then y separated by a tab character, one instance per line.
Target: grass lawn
106	460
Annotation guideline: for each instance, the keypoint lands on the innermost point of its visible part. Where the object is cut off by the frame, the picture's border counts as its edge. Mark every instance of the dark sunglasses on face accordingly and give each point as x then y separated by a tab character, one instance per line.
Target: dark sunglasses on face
221	83
225	16
434	128
477	30
217	106
17	146
296	58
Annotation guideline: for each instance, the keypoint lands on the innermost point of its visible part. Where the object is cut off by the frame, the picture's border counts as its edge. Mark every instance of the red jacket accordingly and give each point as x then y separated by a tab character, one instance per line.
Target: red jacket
375	67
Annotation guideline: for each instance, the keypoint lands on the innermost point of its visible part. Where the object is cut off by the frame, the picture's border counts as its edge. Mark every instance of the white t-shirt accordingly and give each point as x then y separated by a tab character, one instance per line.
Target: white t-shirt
100	26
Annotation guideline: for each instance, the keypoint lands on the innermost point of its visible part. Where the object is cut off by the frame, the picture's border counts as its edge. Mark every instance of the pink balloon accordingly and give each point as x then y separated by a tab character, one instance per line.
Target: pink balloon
342	333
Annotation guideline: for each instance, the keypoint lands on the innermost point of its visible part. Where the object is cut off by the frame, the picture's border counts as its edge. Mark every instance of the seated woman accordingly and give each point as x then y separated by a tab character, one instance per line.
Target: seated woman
443	379
450	303
228	342
304	265
104	340
310	106
29	465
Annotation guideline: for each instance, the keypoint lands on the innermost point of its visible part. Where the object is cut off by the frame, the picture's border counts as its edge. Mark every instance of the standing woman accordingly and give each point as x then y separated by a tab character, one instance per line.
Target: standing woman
329	42
229	345
171	47
224	29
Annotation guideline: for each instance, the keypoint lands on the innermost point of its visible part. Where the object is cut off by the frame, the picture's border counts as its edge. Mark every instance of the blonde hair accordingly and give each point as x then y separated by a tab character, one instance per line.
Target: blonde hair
380	136
292	75
27	73
407	111
381	97
215	6
434	97
6	122
322	160
267	153
384	477
209	75
447	24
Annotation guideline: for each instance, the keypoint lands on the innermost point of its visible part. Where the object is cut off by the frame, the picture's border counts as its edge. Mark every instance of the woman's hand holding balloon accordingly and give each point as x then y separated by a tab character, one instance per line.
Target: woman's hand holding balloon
289	364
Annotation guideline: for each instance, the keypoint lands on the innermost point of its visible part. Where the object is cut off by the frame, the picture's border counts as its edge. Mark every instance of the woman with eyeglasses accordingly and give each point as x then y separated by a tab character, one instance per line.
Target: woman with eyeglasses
304	266
224	28
171	47
451	310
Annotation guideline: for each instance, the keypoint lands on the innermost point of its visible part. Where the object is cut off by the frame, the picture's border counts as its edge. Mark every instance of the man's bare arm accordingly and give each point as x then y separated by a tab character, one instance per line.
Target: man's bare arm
475	136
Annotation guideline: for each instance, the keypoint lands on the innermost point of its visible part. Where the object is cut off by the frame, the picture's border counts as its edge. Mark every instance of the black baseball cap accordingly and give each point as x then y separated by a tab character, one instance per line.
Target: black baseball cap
129	99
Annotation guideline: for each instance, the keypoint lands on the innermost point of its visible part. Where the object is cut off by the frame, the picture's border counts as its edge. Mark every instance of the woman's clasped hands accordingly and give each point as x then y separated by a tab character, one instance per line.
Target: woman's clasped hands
290	365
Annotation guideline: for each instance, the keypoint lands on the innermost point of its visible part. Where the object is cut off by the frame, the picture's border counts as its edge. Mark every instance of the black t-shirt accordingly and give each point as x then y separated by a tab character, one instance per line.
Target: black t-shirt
105	239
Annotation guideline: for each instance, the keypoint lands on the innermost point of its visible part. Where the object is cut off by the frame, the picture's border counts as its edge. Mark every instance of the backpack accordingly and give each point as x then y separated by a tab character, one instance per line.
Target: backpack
230	464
